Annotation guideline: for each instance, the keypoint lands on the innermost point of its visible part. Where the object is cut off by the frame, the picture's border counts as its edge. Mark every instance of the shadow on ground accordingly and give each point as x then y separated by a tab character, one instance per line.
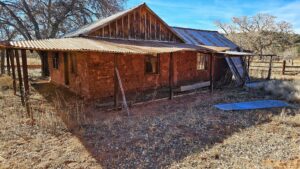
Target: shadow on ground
156	134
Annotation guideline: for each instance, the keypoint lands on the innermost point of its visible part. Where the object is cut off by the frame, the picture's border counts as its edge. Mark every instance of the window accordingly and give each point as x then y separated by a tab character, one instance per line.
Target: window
202	61
151	64
55	60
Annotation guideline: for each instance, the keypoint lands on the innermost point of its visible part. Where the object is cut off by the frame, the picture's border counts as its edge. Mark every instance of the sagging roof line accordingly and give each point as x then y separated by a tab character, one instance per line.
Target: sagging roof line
102	45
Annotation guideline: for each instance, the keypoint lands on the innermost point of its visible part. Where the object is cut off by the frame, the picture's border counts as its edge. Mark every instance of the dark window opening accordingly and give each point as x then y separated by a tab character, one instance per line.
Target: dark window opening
202	61
55	60
73	64
152	64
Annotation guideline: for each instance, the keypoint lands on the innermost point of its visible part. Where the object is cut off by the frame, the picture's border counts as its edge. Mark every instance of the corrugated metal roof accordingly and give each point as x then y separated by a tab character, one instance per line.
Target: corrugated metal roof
216	48
204	37
235	53
104	45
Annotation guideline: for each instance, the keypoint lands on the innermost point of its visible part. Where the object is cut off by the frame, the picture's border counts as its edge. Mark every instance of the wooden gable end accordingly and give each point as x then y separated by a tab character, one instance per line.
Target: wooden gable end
139	24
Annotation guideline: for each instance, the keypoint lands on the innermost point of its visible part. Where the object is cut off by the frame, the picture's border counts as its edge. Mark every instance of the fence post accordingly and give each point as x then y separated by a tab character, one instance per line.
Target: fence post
270	68
283	67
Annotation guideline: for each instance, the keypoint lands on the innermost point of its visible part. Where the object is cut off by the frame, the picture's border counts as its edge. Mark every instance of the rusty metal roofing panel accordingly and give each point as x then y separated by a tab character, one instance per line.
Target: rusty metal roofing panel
204	37
105	45
216	48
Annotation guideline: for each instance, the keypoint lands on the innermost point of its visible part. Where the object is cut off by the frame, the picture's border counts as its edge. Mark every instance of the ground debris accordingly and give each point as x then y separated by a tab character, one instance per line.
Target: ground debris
186	132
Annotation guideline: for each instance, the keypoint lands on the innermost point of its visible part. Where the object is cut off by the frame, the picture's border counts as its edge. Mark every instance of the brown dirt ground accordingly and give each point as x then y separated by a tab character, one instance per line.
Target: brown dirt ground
187	132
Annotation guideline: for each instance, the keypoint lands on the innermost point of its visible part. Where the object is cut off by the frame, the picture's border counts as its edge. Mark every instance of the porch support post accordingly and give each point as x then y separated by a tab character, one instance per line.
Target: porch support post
2	61
211	73
20	76
8	62
171	76
13	70
26	83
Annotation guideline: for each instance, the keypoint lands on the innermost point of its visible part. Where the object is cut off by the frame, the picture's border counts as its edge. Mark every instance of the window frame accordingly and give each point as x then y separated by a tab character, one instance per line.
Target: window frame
55	60
157	72
204	62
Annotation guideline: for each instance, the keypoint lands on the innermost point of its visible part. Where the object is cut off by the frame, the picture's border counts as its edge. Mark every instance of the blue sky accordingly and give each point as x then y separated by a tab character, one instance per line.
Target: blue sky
202	13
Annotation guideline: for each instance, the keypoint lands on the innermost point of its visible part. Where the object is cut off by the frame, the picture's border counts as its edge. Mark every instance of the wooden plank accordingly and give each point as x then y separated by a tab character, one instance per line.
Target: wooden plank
109	30
26	82
8	62
171	76
145	26
283	67
211	73
20	76
135	26
122	91
122	29
155	29
195	86
150	28
117	29
116	84
12	60
270	68
128	27
2	62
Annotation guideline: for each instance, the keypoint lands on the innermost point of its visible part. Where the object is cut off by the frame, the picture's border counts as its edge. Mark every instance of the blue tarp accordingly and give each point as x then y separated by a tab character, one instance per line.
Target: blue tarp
255	84
259	104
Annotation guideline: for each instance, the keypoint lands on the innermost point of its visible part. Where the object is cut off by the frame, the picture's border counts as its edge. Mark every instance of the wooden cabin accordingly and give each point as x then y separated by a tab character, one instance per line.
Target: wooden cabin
134	48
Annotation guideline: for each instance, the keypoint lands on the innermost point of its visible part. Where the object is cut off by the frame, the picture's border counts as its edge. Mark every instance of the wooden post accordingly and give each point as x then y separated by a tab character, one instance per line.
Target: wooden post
8	62
171	76
283	67
26	83
211	73
116	84
270	68
2	62
20	77
122	91
248	65
12	61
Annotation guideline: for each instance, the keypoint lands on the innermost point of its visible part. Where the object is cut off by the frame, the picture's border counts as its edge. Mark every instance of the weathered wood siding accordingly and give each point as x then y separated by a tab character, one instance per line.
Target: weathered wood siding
139	24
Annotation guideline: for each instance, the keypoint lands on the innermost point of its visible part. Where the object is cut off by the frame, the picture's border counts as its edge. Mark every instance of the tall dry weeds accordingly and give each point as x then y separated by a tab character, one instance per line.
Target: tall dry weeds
286	90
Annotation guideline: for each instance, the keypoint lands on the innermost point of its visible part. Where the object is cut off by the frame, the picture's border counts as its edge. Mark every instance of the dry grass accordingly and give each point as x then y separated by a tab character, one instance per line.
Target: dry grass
33	61
285	90
186	132
47	144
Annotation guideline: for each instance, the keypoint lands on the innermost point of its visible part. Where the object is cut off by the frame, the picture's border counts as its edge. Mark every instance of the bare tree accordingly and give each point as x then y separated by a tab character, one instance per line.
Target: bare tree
41	19
260	33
